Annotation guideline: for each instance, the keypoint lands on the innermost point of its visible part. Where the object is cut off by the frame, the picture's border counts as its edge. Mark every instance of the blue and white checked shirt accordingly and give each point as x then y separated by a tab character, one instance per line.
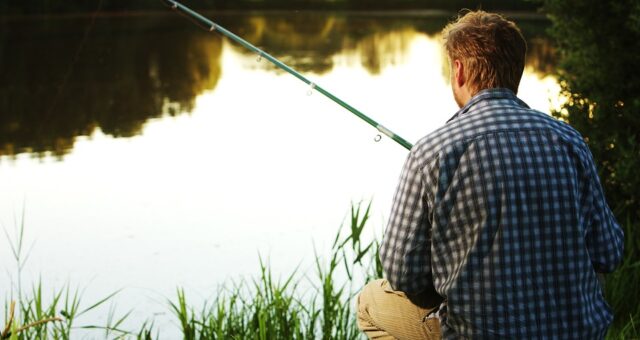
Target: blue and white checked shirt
502	212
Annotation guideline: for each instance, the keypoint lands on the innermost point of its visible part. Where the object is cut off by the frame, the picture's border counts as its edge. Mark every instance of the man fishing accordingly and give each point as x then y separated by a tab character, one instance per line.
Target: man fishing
499	226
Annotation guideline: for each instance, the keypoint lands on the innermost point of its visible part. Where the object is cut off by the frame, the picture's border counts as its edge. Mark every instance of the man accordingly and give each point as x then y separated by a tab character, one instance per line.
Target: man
499	226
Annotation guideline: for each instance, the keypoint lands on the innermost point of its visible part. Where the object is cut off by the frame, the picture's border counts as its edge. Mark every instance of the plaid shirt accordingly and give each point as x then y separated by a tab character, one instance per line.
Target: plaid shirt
502	212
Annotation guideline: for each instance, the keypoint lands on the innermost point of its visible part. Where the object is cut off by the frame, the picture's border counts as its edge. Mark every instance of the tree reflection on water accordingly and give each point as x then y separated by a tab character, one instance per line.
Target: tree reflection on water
63	77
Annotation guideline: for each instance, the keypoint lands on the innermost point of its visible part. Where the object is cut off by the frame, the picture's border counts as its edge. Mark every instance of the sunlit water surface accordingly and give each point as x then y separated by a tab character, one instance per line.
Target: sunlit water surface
256	167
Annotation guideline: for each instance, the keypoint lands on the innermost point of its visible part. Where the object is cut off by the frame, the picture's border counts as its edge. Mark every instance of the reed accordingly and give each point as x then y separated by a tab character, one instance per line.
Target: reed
270	308
621	287
33	315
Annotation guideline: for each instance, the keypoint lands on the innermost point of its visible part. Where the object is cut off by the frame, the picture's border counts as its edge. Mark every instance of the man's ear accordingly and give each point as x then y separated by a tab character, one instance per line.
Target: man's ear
458	70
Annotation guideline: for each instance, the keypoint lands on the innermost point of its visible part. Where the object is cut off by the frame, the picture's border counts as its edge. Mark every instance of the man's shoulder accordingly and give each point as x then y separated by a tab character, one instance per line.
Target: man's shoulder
490	119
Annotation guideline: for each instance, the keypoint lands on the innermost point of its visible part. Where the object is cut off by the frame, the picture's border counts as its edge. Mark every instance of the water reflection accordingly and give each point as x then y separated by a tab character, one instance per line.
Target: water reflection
63	78
58	85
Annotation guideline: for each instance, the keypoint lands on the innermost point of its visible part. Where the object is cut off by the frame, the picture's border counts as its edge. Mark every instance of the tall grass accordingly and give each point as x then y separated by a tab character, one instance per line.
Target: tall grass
31	315
269	308
622	287
301	305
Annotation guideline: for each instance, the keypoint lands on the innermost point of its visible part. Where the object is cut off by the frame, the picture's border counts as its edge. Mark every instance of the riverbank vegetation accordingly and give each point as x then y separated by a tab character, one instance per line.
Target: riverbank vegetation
301	305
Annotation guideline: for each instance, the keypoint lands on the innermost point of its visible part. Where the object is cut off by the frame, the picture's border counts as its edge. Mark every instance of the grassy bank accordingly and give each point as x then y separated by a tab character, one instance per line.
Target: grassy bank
268	308
300	305
317	305
622	287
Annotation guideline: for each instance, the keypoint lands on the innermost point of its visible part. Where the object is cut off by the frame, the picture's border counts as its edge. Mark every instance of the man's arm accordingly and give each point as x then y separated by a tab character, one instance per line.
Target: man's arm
405	251
604	237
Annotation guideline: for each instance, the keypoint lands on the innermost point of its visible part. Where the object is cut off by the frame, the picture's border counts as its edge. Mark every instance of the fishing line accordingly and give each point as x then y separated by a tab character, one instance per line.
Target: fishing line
211	26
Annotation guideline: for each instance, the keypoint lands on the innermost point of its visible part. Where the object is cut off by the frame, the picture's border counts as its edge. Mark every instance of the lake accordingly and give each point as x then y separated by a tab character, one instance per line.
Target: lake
148	154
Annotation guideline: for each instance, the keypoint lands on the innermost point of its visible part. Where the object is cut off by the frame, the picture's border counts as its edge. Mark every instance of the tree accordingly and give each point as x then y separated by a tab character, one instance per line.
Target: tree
599	49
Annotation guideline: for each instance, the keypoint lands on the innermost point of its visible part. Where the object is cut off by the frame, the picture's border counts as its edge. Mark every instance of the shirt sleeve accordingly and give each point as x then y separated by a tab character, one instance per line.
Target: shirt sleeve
405	250
604	237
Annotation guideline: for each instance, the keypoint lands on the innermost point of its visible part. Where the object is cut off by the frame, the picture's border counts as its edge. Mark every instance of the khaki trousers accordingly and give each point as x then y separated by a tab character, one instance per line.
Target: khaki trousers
386	314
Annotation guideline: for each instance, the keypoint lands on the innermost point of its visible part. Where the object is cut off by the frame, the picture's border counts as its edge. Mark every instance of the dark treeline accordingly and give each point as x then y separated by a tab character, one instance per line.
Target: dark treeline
75	6
64	78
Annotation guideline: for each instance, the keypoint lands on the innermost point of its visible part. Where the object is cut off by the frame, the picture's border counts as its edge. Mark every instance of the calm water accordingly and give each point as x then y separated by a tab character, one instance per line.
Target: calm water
148	154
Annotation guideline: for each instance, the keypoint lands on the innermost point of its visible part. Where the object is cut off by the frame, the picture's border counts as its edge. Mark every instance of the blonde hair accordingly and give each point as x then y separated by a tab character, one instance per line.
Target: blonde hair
491	48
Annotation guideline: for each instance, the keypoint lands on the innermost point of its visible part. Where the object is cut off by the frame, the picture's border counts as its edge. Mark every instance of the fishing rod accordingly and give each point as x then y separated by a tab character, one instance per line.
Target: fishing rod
212	26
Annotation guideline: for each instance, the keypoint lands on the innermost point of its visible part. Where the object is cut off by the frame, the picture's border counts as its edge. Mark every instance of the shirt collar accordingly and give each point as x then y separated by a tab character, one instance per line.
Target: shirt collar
495	93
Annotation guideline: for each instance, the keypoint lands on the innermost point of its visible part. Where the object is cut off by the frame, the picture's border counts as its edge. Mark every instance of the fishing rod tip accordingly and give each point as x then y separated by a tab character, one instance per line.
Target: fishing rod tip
171	3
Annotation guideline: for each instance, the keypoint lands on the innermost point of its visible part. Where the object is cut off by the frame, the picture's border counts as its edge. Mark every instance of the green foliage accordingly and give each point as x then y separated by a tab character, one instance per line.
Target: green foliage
623	299
598	49
35	316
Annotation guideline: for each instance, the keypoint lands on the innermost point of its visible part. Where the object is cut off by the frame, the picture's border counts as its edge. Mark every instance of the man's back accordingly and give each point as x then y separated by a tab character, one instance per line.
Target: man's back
502	210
